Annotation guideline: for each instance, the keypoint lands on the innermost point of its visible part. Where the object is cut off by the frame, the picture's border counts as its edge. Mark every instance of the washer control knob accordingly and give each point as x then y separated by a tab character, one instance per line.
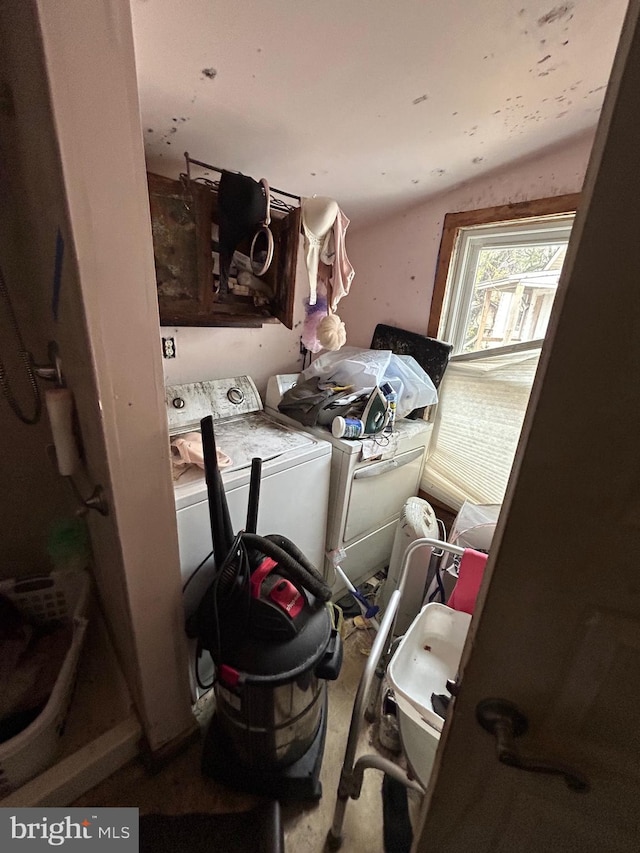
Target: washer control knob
235	396
177	403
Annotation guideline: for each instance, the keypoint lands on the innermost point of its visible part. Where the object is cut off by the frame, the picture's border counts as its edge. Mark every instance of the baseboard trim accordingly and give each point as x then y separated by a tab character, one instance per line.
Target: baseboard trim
76	774
155	760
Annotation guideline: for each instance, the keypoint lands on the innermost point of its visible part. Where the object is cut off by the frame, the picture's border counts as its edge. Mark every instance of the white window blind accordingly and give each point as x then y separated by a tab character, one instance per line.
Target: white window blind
482	403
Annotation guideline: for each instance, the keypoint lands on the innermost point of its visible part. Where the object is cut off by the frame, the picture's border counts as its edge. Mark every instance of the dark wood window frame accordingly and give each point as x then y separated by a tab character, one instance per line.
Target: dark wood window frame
507	213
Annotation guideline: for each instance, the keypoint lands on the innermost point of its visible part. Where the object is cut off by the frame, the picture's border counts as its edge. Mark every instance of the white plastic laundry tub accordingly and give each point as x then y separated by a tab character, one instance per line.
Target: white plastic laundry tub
427	657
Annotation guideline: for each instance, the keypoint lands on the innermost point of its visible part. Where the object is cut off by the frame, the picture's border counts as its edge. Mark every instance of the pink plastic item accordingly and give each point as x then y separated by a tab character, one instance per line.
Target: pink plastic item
470	574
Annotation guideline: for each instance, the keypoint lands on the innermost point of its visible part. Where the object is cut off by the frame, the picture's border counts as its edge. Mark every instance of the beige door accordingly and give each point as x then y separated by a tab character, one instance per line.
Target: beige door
559	631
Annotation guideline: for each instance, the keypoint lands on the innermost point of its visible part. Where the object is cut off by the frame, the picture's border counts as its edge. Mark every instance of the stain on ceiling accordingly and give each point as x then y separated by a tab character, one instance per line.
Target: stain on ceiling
376	104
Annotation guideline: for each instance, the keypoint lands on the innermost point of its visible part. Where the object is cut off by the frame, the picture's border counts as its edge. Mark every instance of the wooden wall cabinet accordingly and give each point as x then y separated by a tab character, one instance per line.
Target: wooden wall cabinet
181	221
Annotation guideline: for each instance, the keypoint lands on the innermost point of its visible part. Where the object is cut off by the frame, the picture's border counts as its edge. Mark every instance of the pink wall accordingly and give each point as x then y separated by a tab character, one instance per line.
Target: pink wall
395	259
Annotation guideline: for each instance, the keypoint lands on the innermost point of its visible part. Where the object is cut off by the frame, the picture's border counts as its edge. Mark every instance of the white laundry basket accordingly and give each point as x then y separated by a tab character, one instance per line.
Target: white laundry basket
427	657
60	595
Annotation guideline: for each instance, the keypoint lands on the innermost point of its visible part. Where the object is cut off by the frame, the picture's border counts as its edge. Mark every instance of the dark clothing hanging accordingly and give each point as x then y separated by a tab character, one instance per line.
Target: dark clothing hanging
242	208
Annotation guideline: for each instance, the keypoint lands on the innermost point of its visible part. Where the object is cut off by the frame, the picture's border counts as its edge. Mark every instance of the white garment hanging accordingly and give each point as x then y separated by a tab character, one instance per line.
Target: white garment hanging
318	216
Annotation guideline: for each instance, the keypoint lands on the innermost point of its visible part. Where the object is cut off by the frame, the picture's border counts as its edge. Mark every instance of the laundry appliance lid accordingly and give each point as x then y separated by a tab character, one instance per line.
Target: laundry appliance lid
257	435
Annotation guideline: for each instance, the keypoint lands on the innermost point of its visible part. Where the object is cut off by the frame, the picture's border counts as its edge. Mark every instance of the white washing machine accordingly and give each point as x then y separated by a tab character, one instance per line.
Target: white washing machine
294	486
369	486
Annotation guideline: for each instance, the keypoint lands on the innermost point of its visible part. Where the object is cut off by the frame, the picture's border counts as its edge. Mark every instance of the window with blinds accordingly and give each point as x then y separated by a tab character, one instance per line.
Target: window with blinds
500	286
481	408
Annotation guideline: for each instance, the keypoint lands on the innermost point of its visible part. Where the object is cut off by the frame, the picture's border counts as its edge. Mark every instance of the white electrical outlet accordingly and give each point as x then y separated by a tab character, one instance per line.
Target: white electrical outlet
168	347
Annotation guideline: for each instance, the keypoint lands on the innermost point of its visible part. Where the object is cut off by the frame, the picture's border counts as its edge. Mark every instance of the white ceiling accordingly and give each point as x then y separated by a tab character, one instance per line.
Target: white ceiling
377	104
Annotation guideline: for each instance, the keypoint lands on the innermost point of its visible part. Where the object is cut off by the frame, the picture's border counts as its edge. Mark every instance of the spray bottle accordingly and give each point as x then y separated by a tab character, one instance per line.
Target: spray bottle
392	399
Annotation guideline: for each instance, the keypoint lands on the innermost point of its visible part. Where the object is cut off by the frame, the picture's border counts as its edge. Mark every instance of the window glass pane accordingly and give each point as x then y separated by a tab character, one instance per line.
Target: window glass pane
513	291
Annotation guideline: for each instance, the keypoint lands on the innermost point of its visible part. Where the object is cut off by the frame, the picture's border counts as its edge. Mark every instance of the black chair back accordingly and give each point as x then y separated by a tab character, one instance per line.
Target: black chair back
432	355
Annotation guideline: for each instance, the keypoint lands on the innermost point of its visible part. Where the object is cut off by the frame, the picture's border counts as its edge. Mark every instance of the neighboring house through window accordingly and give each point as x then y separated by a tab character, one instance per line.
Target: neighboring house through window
497	275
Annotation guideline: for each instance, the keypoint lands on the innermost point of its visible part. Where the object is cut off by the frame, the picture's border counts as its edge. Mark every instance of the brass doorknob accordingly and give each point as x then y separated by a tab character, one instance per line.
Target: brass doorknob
505	721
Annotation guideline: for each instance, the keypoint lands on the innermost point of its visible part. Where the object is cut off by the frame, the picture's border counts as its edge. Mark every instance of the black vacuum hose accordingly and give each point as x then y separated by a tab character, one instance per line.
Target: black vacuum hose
219	518
300	570
292	549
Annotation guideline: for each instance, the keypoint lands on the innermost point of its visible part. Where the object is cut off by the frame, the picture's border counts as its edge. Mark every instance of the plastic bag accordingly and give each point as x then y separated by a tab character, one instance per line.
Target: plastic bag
474	525
361	368
364	369
411	383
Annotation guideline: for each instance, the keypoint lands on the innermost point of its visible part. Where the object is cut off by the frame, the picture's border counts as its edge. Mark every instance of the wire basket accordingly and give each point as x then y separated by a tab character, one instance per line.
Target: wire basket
60	595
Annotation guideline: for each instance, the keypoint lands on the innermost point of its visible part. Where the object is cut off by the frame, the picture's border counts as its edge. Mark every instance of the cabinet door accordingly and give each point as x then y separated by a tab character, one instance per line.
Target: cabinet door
182	252
282	272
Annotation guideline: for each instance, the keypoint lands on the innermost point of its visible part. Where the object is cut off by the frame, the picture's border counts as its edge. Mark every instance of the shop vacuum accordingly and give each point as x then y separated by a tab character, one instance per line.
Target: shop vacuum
265	621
